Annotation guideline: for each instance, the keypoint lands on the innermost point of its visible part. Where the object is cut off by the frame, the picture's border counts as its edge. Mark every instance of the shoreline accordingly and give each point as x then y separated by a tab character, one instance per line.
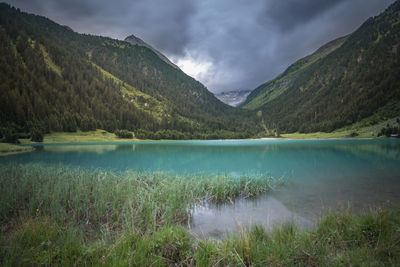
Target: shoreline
101	136
7	149
26	143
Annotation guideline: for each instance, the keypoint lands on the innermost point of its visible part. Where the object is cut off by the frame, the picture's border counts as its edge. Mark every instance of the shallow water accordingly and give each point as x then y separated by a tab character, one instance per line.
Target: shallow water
218	220
322	174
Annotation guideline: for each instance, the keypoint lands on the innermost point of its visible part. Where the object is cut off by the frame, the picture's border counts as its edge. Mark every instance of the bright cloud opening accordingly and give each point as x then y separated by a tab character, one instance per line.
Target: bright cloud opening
192	67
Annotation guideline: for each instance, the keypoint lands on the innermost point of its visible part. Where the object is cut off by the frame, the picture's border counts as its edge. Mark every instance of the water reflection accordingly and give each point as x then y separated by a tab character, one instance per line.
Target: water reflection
278	157
218	220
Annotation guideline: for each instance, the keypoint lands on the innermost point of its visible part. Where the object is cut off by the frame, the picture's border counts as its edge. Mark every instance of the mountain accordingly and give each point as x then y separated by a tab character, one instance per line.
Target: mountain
343	82
55	79
233	98
133	40
272	89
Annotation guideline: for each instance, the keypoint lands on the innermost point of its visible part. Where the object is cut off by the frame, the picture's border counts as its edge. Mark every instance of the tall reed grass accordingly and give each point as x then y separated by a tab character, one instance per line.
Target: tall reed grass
64	216
109	200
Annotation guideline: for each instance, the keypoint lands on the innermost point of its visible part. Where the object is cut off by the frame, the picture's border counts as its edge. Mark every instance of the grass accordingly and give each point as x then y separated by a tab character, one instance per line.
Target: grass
81	137
6	149
366	128
64	137
316	135
61	216
98	198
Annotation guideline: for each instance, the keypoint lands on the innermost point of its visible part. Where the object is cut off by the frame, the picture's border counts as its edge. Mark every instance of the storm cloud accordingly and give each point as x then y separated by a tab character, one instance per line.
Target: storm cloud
225	44
288	14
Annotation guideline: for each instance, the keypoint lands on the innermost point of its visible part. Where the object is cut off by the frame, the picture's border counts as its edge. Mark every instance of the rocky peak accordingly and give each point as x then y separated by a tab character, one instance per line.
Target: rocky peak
134	40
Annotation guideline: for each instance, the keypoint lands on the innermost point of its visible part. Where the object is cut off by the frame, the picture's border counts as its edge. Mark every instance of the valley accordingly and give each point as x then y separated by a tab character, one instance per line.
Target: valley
112	155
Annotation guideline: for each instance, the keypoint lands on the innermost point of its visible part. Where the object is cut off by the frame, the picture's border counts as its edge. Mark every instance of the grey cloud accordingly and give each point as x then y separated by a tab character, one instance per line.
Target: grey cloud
247	42
34	6
163	23
75	9
70	10
288	14
253	52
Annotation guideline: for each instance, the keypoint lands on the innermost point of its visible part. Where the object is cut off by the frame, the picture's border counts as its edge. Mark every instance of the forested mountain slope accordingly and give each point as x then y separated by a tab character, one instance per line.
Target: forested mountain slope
55	79
345	81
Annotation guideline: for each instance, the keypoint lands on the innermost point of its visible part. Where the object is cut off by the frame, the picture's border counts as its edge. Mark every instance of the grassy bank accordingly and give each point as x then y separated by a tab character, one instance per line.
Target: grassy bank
6	149
366	128
61	216
322	135
64	137
360	130
79	136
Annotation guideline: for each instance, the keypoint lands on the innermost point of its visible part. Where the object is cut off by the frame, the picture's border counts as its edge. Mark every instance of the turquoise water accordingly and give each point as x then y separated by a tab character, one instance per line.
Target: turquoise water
295	159
322	174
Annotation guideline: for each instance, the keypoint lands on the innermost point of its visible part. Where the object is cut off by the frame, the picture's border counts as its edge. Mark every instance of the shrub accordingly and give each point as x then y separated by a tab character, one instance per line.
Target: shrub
353	134
36	135
144	134
123	134
9	135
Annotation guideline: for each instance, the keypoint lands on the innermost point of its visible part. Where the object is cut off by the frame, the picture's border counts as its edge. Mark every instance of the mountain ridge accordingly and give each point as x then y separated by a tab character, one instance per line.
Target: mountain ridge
134	40
356	80
321	52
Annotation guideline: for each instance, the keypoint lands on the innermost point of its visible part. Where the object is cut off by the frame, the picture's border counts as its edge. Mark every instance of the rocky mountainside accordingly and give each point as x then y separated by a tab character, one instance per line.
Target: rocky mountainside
133	40
343	82
233	98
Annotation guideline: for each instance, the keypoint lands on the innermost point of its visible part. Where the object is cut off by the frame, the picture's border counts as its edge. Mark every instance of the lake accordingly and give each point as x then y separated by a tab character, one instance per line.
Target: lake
321	175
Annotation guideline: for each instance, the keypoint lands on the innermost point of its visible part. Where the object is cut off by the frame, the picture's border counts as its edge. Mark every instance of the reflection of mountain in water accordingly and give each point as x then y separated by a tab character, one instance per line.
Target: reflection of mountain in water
303	158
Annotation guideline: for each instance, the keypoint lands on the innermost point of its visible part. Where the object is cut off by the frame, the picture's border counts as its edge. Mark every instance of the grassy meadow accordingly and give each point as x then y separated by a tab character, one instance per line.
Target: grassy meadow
64	137
366	128
62	216
81	137
6	149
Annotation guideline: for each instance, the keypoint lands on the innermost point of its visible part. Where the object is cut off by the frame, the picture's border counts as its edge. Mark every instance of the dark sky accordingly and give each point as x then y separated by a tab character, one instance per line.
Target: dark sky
225	44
